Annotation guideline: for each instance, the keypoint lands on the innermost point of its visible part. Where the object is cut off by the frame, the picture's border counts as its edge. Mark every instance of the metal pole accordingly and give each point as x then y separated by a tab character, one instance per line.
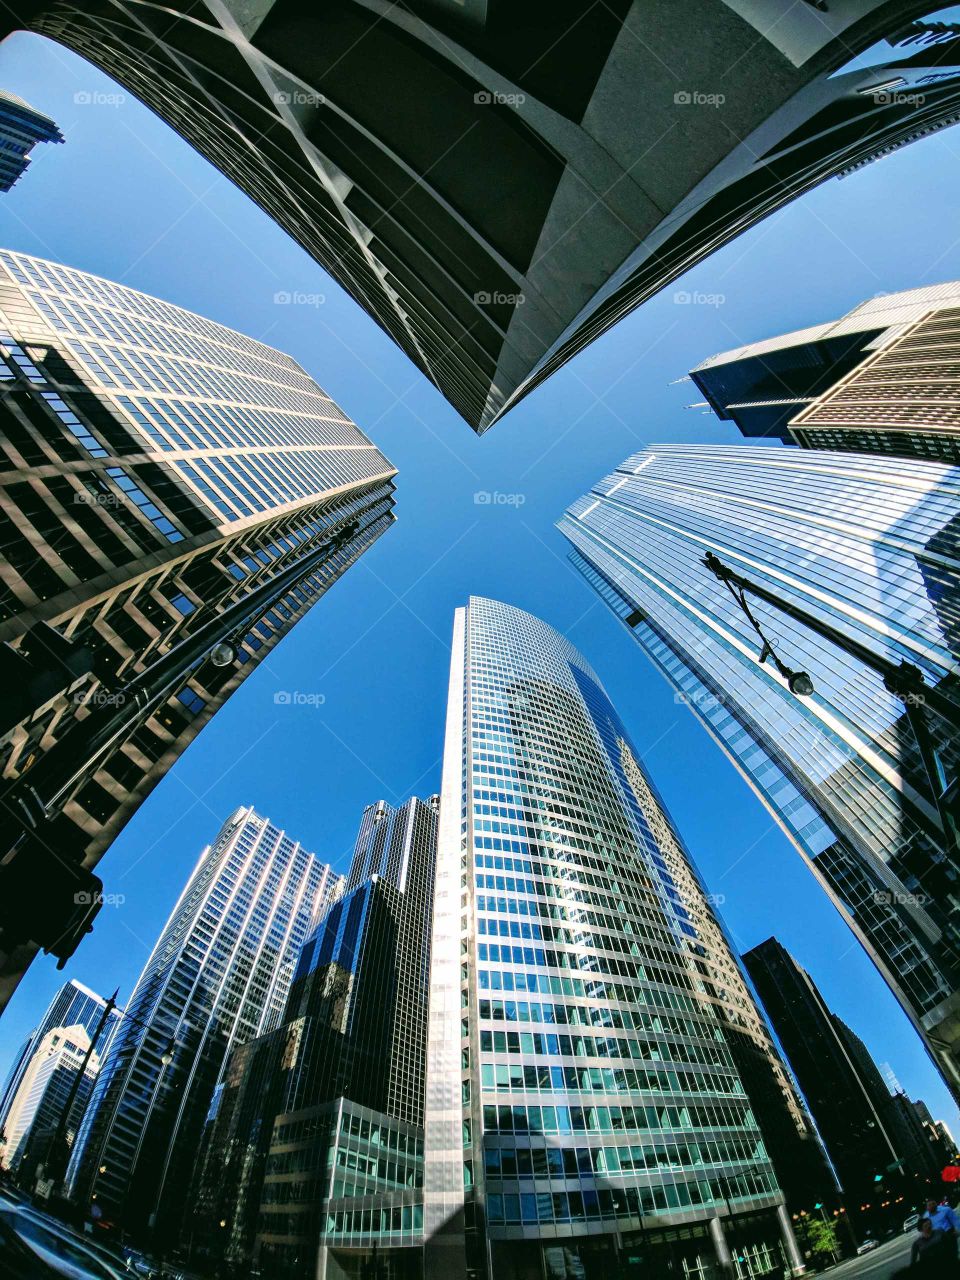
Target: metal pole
904	680
903	674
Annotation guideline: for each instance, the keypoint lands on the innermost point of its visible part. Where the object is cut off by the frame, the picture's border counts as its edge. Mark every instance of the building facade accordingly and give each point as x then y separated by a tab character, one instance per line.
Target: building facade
37	1108
73	1005
21	128
313	1155
218	976
585	1114
155	468
435	158
858	1121
870	546
882	379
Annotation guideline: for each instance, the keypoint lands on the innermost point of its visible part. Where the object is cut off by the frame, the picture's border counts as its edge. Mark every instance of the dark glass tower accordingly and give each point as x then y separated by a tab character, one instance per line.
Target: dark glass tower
313	1157
586	1112
497	184
155	468
21	128
861	1126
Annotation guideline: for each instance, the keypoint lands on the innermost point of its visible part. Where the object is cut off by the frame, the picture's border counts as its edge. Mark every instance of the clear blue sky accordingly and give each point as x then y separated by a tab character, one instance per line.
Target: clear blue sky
127	199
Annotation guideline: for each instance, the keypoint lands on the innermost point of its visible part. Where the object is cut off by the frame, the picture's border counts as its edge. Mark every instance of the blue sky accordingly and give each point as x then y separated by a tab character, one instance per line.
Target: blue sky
127	199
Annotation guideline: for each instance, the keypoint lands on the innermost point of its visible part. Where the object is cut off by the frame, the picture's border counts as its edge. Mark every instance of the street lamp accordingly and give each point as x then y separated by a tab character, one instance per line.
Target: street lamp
223	654
798	682
903	679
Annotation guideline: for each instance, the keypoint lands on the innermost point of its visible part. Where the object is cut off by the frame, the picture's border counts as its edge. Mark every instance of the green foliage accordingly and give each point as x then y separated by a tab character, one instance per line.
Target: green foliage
818	1238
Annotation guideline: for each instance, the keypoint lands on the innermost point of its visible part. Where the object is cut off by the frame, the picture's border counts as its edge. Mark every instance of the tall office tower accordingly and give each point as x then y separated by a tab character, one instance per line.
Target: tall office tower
497	185
73	1005
858	1121
947	1138
879	380
870	546
36	1109
930	1152
584	1108
21	128
313	1159
219	975
156	469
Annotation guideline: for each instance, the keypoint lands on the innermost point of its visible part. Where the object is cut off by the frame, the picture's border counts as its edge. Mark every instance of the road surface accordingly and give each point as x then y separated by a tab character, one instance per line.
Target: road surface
879	1264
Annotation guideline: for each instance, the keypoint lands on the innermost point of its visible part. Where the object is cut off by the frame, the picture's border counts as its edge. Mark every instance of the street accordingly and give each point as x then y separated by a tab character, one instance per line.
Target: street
880	1264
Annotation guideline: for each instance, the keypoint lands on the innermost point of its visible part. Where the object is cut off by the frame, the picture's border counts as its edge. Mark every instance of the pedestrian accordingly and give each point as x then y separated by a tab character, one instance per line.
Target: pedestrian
930	1253
943	1219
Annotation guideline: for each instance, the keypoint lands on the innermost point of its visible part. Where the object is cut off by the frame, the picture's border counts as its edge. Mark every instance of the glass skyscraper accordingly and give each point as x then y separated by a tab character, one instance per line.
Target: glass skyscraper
37	1107
585	1113
21	128
870	546
218	976
312	1162
155	467
73	1005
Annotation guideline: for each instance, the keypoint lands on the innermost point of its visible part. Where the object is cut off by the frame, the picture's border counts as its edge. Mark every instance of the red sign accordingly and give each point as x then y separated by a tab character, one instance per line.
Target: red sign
951	1173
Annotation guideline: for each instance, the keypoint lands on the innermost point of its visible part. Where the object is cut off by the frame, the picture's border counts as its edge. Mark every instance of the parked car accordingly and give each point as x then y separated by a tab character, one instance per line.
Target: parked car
39	1248
139	1264
867	1245
910	1222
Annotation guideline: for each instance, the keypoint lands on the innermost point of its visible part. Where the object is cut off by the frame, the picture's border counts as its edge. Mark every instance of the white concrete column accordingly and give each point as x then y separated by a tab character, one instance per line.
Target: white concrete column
794	1256
720	1245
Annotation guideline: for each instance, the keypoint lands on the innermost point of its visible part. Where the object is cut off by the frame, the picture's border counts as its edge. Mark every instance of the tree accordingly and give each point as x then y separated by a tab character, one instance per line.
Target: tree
818	1239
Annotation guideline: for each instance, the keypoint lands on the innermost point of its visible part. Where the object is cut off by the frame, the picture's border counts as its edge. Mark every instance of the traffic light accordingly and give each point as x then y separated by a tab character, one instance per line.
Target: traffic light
47	897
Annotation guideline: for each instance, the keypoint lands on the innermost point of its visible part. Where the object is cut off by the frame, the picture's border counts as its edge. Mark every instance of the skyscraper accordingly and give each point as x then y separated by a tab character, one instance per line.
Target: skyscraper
860	1125
879	380
157	468
37	1107
497	186
313	1157
869	545
21	128
584	1107
218	976
73	1005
